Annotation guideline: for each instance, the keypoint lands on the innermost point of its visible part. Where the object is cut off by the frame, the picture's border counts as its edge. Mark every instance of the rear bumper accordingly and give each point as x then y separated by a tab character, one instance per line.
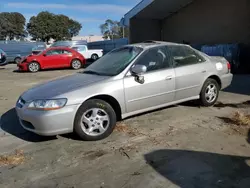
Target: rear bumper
226	80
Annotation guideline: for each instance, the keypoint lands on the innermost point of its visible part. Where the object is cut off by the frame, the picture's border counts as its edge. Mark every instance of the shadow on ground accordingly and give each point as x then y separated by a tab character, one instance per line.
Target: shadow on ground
10	124
245	104
192	169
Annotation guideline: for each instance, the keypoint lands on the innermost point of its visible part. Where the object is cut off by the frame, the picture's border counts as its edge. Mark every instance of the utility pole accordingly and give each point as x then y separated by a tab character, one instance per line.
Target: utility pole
123	32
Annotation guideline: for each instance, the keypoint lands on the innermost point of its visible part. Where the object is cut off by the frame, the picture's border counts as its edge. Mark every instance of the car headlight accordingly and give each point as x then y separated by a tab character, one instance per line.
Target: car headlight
52	104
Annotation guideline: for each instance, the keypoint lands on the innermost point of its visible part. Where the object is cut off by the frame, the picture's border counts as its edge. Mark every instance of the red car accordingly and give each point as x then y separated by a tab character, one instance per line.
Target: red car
51	58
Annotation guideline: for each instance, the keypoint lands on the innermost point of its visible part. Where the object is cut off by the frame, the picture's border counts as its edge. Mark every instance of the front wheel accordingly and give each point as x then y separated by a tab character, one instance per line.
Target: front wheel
17	60
94	57
34	67
209	93
95	120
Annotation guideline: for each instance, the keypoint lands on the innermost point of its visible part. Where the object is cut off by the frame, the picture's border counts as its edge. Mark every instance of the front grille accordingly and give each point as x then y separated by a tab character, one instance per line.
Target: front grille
27	124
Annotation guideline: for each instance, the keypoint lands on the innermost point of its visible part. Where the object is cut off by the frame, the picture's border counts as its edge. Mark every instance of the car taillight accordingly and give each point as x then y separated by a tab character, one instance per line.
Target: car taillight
228	66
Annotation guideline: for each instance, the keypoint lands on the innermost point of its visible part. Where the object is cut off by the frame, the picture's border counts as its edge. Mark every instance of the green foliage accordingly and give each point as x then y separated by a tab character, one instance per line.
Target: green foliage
46	25
112	30
12	25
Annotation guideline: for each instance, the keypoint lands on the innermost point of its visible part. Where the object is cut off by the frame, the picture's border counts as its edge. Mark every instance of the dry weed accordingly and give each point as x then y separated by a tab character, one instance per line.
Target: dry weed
240	118
14	159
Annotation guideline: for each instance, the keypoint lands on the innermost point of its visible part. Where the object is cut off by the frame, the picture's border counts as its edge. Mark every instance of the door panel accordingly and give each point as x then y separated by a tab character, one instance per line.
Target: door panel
189	80
159	85
52	59
190	70
66	58
157	89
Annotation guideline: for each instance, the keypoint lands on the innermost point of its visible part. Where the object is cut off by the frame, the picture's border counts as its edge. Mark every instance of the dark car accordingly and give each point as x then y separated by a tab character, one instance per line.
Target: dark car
16	50
3	58
51	58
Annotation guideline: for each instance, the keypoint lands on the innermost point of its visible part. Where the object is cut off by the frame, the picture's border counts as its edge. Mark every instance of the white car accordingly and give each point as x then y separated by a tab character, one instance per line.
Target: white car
87	53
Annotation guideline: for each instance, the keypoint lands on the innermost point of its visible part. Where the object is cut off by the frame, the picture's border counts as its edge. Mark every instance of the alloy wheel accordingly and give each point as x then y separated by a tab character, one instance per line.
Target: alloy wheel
95	122
211	93
33	67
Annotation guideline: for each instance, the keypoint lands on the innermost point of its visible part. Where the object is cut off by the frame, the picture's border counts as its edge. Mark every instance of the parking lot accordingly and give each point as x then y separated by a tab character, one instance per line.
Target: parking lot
179	146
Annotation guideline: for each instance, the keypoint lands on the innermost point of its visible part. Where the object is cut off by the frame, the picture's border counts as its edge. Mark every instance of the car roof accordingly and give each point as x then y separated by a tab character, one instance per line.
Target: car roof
59	48
151	43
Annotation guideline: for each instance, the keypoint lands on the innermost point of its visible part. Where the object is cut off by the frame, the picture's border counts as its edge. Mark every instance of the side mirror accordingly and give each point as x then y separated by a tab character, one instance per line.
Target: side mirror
137	72
138	69
44	55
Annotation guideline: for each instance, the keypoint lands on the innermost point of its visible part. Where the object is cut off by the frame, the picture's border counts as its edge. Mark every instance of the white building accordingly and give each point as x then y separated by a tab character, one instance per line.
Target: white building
90	38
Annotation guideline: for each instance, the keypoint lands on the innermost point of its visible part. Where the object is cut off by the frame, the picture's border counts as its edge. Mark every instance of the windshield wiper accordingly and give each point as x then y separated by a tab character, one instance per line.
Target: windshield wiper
96	73
91	72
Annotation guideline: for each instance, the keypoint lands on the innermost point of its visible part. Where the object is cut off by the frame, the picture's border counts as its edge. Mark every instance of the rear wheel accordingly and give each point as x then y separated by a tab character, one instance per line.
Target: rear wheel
17	60
34	67
209	93
76	64
94	57
95	120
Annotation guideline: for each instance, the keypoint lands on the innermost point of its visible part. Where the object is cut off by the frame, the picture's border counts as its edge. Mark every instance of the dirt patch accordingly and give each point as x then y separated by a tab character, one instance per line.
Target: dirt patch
240	122
14	159
92	155
239	118
121	127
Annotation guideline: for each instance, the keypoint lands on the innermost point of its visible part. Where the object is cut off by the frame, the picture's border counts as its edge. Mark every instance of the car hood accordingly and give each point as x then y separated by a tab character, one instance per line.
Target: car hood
61	86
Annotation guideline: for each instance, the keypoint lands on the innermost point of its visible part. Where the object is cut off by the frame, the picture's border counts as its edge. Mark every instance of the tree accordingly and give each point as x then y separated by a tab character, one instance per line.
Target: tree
41	27
74	28
46	26
12	25
112	30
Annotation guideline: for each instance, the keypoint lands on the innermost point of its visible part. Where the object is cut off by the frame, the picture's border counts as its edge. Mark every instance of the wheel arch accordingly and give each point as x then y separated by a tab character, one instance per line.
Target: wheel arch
112	101
35	61
217	79
94	54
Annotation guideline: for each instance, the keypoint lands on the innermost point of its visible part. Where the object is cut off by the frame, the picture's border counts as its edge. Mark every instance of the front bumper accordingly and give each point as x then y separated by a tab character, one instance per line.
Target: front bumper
22	66
48	123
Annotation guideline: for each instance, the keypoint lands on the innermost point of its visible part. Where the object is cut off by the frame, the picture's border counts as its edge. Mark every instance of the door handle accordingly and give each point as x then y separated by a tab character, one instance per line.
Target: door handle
204	71
168	78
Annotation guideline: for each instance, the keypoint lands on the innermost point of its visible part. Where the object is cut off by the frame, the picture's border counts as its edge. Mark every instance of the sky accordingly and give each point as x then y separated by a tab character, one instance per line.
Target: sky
90	13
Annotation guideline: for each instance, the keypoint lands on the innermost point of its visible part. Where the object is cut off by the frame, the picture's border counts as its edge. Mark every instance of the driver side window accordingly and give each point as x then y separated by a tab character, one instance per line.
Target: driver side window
155	59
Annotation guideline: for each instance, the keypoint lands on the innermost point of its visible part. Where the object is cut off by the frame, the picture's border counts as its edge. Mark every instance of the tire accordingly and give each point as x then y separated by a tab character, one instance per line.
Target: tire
91	127
17	60
33	67
76	64
207	97
94	57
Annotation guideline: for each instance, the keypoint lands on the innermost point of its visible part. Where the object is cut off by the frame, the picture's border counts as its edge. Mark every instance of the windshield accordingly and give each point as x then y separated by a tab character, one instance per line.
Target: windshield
114	62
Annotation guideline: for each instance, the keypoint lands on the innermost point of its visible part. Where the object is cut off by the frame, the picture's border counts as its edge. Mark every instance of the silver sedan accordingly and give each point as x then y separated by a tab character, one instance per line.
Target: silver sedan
129	80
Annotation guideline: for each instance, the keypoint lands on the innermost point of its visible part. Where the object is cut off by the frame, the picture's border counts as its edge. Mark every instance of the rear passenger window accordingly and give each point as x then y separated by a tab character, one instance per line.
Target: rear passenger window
155	59
184	55
66	52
